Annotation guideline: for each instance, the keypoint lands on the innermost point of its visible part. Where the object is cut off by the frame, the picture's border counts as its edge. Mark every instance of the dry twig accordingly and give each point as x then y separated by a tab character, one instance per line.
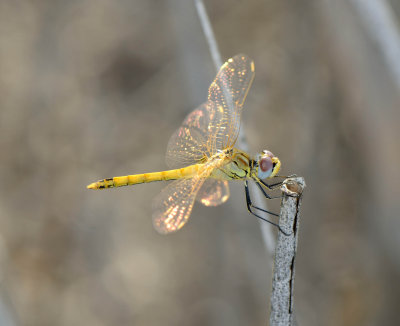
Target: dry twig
285	253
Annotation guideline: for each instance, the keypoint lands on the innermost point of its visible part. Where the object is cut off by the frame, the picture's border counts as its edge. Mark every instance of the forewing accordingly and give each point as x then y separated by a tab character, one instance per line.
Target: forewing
172	207
227	94
213	192
215	124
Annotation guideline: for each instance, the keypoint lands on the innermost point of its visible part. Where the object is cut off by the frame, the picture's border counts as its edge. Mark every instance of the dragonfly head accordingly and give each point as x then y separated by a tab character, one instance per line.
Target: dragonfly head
268	165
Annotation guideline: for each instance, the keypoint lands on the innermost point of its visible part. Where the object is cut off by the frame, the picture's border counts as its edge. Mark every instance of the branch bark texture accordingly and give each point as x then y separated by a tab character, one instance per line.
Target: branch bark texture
285	253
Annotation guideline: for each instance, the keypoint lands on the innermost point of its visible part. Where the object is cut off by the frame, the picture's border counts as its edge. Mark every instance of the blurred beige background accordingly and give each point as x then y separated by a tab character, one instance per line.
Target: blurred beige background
93	89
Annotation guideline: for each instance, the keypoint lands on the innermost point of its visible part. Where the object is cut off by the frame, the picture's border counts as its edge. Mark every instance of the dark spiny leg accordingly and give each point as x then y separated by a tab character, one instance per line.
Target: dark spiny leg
271	186
250	206
277	184
264	192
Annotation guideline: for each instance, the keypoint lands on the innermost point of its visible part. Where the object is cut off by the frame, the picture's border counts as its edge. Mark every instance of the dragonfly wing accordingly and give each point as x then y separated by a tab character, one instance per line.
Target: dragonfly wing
172	207
213	192
215	124
227	94
188	145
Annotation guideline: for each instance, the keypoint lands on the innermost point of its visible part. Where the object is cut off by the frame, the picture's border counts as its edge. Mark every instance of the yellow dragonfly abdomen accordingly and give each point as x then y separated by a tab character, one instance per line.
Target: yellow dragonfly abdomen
127	180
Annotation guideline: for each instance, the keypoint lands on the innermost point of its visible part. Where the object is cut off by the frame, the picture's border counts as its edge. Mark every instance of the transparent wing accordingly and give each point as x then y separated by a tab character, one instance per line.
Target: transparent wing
215	124
172	207
213	192
227	93
188	144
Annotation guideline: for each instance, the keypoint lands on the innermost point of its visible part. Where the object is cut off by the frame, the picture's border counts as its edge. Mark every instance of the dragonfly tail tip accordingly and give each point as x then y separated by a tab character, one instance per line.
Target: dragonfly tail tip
92	186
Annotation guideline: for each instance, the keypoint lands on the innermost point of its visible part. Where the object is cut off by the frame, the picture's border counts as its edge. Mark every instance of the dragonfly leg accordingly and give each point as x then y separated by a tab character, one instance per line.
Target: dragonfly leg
271	186
251	207
277	184
264	192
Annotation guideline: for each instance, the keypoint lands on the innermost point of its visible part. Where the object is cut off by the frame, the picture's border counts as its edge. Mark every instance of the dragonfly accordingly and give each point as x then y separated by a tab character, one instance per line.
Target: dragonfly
204	146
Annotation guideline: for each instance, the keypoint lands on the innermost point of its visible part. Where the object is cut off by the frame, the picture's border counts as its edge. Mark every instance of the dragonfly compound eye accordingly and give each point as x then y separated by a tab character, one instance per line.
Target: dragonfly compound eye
268	153
266	164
